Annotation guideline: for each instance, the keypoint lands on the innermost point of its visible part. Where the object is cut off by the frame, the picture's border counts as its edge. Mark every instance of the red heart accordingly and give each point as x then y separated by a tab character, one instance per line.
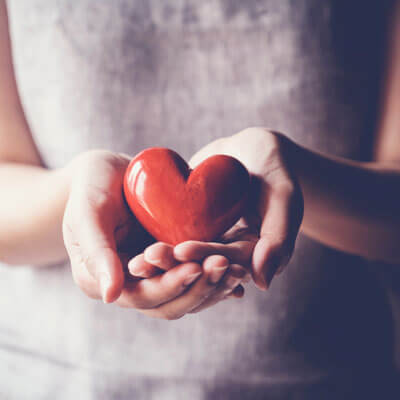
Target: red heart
175	203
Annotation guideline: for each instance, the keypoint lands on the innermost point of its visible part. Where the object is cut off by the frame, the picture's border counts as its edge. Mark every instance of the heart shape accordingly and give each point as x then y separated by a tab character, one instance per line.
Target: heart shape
174	203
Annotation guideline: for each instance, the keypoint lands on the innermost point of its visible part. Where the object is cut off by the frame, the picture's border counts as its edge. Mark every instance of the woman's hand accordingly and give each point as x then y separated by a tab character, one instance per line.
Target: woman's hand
216	279
274	211
101	235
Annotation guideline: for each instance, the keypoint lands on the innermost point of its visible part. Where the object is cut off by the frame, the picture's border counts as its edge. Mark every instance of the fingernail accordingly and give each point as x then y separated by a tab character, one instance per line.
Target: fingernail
136	271
227	292
154	260
191	278
217	273
105	283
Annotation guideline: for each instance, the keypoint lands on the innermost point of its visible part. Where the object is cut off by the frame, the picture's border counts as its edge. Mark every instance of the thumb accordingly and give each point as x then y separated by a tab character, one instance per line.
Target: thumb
280	225
95	236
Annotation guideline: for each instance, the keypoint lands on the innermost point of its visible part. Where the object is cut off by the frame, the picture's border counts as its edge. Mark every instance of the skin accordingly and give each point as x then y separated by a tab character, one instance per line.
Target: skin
351	207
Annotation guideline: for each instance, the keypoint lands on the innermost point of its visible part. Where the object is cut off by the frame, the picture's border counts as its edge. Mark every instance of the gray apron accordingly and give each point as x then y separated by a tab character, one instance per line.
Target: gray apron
128	74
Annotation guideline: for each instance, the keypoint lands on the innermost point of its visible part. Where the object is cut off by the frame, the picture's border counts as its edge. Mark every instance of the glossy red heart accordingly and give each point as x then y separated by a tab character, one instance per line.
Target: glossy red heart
175	203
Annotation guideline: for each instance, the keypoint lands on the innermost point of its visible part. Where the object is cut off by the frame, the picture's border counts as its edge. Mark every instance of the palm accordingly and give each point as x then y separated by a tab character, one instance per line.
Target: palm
274	211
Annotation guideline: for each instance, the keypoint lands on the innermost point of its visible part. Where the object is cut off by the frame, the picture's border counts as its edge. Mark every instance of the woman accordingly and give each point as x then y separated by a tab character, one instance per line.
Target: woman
124	75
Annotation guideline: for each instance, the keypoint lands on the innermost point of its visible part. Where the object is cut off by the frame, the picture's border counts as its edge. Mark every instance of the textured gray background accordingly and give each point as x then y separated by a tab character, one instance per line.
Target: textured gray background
127	74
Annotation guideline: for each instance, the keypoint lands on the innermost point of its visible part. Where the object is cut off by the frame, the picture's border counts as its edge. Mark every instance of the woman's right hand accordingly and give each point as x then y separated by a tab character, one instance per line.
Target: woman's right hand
101	235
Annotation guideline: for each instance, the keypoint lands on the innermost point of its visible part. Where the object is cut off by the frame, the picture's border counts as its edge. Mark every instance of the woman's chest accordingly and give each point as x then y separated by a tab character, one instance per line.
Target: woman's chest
125	75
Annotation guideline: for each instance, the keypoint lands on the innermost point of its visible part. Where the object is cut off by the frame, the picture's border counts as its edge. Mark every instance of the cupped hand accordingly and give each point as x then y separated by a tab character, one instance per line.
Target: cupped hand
216	280
274	210
101	235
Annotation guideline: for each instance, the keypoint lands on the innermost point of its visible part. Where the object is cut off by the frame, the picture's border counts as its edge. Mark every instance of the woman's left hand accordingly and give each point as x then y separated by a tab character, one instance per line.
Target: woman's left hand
263	240
274	211
219	280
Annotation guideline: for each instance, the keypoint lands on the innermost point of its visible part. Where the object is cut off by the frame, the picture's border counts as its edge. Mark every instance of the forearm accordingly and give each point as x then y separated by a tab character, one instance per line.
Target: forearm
351	206
32	206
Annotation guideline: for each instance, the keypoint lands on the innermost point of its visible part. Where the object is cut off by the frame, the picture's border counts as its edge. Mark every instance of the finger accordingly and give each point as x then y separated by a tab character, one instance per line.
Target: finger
237	293
279	229
237	274
138	266
227	287
217	265
194	297
190	299
237	252
86	282
80	274
243	230
150	293
94	234
161	255
209	303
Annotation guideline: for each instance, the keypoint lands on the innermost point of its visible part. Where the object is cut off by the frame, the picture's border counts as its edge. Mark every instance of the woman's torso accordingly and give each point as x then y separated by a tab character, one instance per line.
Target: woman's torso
125	75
